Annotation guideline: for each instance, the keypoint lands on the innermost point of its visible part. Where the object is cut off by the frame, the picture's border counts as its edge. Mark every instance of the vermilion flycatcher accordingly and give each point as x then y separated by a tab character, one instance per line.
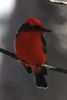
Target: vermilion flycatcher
30	48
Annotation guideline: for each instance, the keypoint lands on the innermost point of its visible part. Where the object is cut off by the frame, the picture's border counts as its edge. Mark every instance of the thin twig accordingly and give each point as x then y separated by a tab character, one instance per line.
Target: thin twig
62	70
8	53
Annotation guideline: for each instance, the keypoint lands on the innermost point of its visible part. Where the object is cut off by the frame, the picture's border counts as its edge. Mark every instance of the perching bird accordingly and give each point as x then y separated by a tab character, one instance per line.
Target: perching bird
30	48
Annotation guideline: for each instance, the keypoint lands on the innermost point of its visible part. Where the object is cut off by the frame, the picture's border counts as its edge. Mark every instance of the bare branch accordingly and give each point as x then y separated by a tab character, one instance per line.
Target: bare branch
62	70
8	53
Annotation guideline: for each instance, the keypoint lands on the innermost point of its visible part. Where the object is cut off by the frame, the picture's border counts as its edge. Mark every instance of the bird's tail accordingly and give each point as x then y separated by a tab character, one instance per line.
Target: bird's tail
41	81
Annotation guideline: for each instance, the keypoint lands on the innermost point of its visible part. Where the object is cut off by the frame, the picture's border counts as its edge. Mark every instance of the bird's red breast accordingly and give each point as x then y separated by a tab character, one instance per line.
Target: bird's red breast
29	48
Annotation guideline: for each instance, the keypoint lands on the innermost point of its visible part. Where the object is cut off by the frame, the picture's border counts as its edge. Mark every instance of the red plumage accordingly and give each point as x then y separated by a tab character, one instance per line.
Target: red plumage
29	46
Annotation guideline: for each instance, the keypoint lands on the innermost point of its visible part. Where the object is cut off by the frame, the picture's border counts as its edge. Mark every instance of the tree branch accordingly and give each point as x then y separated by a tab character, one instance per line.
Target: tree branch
8	53
62	70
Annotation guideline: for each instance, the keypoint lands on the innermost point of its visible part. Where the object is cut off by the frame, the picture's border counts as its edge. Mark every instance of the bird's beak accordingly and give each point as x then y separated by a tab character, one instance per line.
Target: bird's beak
47	30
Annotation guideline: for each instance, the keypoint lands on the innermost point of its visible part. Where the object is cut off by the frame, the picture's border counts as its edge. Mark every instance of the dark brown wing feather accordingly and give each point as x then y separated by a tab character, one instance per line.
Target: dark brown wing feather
44	44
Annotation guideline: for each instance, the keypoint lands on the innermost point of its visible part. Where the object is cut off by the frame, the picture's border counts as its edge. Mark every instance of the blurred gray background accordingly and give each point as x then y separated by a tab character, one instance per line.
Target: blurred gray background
15	82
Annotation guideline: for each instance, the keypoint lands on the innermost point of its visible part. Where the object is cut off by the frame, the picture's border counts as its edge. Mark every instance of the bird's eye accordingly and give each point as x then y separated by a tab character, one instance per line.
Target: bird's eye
37	27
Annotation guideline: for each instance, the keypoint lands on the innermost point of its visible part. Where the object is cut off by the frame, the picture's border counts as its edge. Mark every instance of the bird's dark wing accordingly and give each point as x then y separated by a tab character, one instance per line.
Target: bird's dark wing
45	51
44	44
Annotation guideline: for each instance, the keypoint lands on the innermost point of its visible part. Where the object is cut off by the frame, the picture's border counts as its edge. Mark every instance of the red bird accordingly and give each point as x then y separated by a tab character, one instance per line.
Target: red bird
30	48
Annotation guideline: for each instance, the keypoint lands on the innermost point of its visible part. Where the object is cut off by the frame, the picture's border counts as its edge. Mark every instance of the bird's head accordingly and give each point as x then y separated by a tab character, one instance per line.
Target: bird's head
33	24
36	24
